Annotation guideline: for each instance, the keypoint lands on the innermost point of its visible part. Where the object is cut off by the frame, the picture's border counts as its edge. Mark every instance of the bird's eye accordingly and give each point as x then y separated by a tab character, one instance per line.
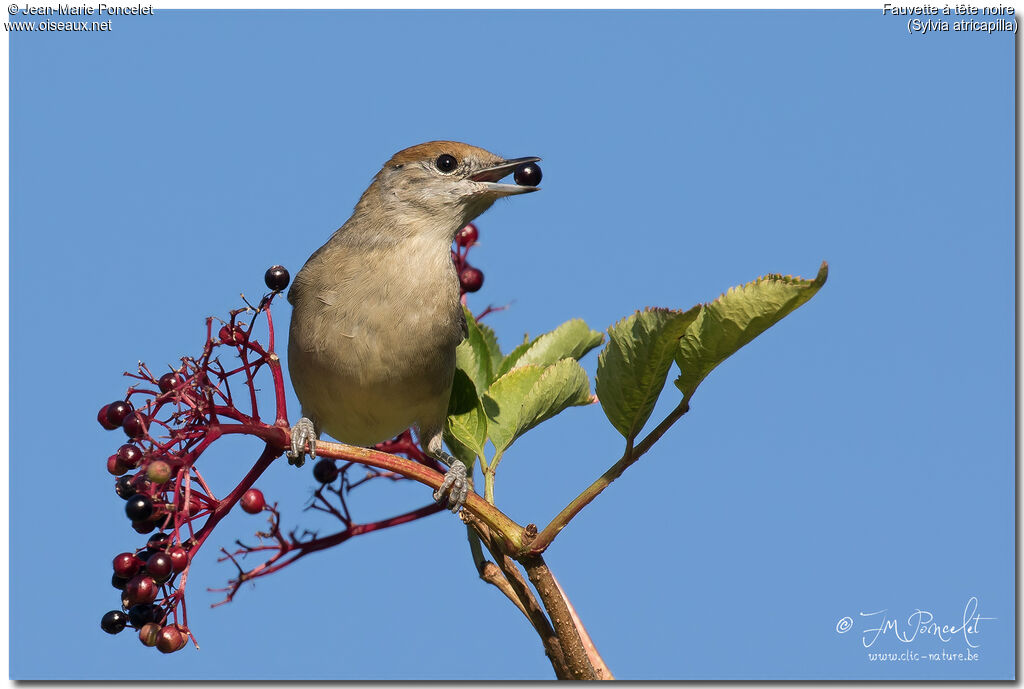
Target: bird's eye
446	163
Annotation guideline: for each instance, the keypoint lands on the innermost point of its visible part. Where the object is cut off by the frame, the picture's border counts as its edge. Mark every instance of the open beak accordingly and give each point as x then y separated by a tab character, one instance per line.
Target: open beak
488	177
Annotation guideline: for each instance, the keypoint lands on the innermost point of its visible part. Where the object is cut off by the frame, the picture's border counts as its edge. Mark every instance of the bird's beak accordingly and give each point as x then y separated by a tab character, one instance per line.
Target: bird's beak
488	177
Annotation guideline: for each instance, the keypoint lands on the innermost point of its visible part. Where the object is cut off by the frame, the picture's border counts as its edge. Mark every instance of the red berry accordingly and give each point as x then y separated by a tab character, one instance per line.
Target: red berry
116	411
471	279
467	236
102	418
126	565
134	425
169	639
179	558
129	455
140	589
253	501
232	335
115	466
159	566
169	381
192	508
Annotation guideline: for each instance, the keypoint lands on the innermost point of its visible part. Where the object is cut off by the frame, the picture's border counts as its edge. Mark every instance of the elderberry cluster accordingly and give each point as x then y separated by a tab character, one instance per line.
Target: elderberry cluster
139	575
168	422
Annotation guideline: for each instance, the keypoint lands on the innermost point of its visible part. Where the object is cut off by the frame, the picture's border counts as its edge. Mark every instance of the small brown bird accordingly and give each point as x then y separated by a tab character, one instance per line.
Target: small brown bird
377	317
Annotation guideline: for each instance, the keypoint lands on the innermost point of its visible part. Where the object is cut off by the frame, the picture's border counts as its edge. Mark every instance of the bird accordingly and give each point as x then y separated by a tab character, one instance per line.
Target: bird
376	313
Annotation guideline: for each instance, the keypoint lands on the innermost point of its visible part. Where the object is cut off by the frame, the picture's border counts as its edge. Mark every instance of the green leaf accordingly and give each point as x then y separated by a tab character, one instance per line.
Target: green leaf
526	396
512	357
571	339
465	429
467	361
473	354
736	318
490	340
631	370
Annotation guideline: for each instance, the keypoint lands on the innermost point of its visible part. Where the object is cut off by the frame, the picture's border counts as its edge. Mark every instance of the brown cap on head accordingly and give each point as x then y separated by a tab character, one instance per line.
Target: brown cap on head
432	149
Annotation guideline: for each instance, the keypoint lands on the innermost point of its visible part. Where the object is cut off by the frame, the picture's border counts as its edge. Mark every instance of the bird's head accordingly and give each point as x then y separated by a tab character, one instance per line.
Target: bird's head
440	186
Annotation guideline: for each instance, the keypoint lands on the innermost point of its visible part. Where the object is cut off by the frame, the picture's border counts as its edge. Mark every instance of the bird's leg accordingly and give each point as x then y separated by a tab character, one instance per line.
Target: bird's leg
303	432
456	481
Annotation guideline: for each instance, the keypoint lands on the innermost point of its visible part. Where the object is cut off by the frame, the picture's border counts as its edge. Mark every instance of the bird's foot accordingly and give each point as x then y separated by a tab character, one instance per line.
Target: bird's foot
456	484
302	433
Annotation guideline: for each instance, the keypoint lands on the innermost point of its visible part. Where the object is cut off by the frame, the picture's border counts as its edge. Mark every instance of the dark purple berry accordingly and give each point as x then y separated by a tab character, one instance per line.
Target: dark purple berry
277	278
144	613
159	566
129	455
124	487
325	471
471	279
134	425
116	411
139	508
102	418
118	582
158	540
527	175
169	381
467	236
253	501
113	622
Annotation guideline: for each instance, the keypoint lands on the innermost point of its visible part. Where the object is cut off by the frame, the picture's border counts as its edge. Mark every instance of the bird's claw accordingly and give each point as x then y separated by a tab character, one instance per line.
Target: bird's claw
303	433
455	486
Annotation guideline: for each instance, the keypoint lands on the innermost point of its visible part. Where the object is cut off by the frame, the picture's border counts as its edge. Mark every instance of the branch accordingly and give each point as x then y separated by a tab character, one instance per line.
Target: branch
289	550
572	645
544	538
511	533
602	670
526	600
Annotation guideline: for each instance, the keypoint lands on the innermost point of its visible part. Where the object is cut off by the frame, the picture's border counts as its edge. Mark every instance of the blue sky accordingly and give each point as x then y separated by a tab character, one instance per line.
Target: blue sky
857	457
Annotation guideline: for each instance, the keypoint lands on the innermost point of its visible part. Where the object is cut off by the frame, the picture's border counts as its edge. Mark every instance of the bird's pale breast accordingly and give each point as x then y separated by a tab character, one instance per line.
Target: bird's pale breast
372	344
